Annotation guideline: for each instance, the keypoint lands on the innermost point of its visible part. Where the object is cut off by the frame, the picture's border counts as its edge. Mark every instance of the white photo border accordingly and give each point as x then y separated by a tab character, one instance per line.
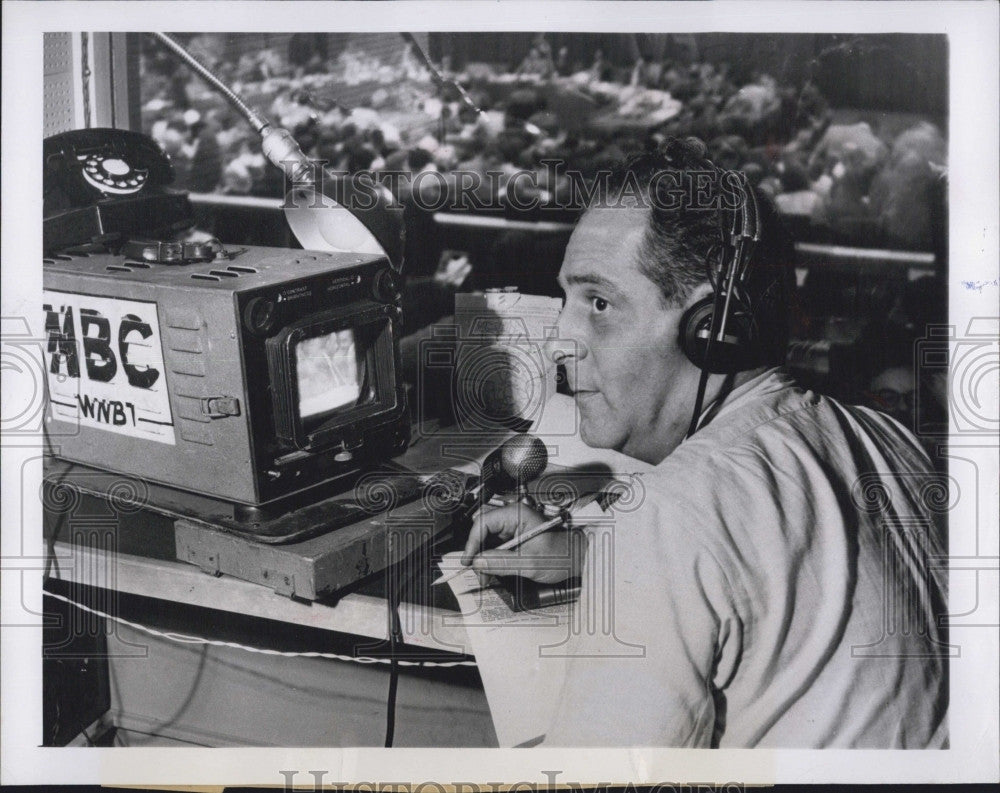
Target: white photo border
973	166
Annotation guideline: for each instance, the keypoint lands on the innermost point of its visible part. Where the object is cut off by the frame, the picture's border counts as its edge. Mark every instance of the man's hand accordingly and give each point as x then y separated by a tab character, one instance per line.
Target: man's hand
453	268
549	558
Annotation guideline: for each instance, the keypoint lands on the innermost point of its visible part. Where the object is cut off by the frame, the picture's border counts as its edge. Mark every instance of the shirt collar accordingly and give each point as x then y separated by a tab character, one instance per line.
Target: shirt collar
734	403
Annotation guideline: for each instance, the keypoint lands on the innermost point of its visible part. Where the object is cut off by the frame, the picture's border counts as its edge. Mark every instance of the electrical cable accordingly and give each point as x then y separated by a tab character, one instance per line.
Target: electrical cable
50	545
113	81
397	583
395	639
442	82
85	76
50	550
181	638
439	78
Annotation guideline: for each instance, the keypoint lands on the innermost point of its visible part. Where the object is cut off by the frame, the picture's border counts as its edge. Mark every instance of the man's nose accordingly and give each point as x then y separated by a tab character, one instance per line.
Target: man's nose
565	344
560	350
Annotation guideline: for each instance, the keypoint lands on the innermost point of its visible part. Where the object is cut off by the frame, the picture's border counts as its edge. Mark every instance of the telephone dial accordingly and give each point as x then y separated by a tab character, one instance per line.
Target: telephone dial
111	174
106	187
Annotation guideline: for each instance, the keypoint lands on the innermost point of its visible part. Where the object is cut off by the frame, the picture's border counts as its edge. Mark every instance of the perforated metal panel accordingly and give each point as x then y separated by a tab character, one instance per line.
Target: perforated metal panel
58	84
58	53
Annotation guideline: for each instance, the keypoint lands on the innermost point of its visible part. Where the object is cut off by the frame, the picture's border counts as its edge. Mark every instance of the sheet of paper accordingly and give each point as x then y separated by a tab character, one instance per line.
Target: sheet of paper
522	685
502	368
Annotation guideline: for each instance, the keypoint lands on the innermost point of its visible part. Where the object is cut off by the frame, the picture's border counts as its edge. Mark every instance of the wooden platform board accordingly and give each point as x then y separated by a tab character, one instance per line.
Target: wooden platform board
319	566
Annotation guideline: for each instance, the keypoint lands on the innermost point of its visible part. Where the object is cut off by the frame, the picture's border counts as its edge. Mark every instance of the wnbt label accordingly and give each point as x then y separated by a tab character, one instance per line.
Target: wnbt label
104	365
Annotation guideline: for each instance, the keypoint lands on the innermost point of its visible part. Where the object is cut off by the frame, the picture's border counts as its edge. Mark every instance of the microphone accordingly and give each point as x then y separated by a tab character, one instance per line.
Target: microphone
515	462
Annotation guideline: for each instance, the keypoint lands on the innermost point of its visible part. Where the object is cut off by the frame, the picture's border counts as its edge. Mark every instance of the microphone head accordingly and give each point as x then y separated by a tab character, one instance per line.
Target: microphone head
523	458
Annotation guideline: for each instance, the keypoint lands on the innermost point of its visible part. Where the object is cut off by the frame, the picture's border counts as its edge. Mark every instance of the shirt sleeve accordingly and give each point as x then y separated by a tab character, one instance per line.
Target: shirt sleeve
653	633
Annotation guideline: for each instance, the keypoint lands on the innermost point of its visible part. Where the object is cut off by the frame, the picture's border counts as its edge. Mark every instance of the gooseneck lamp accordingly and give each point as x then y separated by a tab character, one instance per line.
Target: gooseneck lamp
326	211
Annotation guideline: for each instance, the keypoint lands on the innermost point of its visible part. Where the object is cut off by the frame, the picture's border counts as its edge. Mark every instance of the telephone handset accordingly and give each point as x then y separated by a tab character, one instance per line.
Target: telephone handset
108	185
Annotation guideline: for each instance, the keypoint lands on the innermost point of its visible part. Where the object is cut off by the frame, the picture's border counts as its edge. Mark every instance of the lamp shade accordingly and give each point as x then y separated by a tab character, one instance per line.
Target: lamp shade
343	213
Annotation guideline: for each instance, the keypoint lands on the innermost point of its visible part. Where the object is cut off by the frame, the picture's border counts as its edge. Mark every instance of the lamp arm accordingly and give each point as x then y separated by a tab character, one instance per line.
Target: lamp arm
277	143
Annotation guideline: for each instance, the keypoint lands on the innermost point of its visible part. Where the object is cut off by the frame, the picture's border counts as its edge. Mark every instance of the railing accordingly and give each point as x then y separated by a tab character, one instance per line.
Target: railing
808	254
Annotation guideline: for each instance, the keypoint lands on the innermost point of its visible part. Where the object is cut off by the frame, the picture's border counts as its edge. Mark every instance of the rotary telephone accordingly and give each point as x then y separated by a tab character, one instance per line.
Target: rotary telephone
107	186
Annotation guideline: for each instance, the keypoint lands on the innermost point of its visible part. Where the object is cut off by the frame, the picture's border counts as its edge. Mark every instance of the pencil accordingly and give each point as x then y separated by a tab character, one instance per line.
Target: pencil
514	542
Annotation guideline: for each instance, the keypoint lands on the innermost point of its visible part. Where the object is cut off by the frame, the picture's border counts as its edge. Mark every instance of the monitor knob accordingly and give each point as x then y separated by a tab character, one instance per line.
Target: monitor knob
345	455
260	315
384	286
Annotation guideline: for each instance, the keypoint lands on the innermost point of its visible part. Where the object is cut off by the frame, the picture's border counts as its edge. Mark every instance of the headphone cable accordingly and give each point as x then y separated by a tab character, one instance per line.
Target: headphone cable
720	306
699	399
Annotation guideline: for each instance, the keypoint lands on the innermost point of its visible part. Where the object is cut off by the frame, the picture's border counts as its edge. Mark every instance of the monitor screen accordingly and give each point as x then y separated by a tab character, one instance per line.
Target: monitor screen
331	372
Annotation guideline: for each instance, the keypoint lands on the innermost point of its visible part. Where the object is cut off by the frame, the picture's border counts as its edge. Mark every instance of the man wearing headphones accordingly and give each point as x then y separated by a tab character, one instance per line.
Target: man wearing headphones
777	585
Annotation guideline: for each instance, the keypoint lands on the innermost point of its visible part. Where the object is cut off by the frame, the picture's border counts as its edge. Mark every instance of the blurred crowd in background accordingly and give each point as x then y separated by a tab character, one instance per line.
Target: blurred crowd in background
847	175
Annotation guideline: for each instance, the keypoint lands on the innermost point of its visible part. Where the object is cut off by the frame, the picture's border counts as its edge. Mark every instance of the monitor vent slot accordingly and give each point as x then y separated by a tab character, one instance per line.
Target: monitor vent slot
128	266
232	271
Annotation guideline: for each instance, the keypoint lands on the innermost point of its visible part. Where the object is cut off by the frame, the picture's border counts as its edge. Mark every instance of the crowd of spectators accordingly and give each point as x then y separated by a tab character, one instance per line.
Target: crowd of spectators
861	180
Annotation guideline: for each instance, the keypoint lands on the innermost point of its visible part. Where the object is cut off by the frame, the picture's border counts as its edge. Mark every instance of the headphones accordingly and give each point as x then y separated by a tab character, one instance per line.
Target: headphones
719	333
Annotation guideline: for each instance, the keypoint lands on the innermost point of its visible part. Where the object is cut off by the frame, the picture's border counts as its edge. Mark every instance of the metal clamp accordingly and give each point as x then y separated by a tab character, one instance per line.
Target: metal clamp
209	563
217	407
177	252
281	583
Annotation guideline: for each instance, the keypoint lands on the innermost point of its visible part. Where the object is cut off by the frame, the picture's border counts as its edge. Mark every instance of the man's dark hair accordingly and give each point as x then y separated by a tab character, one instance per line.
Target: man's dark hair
688	199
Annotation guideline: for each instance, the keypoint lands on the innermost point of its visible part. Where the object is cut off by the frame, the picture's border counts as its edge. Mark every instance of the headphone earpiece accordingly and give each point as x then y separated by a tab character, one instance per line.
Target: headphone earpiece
734	352
735	347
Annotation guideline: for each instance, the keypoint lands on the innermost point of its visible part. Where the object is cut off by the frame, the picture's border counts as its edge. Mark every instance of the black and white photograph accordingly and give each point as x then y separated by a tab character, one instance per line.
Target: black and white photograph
618	383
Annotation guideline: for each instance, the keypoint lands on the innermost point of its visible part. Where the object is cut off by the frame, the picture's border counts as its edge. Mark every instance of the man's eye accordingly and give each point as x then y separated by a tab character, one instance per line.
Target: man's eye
600	304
